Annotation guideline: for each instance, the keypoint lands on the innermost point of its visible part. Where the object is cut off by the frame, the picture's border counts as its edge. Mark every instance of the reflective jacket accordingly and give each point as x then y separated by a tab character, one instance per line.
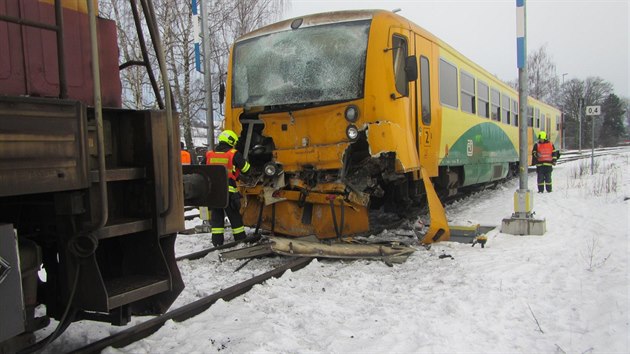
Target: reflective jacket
185	155
233	161
544	153
225	159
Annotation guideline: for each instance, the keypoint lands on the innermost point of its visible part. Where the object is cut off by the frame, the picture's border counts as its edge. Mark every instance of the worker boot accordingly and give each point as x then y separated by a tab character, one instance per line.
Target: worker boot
217	240
239	236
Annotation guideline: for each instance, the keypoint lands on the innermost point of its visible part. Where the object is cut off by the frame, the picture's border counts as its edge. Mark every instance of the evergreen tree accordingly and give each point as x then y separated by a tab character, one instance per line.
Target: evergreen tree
612	129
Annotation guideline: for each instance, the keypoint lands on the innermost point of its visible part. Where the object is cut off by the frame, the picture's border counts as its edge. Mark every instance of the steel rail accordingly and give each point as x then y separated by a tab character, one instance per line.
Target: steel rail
145	329
204	252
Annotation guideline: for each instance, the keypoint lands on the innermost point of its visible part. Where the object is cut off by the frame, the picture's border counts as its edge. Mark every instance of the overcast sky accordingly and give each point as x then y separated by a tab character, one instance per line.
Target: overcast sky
583	37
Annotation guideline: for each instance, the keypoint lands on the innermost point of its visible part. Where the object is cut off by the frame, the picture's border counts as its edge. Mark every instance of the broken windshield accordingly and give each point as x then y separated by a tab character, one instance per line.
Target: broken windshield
307	65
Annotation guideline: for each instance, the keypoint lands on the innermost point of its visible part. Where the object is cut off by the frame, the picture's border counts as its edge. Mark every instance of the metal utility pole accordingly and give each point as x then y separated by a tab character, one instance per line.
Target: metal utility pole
580	105
207	72
522	221
521	51
564	129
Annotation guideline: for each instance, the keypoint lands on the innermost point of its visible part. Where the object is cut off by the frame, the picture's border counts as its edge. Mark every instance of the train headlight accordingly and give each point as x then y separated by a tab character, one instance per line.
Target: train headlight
352	113
272	169
352	132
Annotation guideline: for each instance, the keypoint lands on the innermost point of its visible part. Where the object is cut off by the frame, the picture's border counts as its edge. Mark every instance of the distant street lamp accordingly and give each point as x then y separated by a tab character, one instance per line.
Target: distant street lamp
564	130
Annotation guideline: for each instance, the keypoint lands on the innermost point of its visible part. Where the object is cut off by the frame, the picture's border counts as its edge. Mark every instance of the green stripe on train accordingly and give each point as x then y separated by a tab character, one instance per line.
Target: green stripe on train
484	151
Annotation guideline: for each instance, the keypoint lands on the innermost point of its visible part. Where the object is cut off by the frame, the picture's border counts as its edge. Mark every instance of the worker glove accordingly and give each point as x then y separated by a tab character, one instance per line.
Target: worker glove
247	179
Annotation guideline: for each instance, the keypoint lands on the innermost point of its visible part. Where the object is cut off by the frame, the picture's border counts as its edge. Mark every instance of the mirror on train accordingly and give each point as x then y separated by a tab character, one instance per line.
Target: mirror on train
221	92
411	68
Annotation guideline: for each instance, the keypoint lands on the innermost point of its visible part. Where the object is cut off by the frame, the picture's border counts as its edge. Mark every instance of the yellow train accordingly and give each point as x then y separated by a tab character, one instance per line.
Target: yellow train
339	112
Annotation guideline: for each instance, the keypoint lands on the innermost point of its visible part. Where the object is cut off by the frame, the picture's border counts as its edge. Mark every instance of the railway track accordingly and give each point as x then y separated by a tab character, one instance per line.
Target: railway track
202	253
145	329
381	222
185	312
195	307
573	155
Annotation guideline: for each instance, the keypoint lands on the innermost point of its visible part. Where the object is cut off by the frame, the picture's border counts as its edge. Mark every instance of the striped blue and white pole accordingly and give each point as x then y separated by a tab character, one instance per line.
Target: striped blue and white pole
525	201
196	36
521	50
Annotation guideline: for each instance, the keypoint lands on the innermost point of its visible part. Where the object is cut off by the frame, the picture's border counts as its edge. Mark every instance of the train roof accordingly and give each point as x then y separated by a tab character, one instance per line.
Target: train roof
310	20
366	14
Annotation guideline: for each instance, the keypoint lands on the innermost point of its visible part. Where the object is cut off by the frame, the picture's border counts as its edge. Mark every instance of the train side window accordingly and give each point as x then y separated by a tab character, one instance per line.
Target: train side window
515	112
399	45
426	90
467	92
448	84
483	100
557	123
495	105
530	115
537	117
505	108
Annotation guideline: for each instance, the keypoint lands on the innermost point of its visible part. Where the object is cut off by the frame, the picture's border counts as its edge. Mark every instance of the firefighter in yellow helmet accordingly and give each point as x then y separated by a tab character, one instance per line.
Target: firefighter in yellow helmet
544	157
226	155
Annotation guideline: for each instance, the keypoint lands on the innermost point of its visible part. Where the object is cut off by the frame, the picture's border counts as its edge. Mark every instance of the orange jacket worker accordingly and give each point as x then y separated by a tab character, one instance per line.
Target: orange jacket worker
544	156
226	155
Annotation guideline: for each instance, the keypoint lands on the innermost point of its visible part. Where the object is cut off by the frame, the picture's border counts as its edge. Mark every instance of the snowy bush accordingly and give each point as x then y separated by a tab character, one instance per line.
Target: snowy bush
604	181
591	254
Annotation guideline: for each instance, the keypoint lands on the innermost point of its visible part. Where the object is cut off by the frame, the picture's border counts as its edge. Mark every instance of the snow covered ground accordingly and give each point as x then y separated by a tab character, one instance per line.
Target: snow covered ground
564	292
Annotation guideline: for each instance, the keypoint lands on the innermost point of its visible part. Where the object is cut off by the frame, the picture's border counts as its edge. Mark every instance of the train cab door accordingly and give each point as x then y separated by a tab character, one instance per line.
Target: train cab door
426	120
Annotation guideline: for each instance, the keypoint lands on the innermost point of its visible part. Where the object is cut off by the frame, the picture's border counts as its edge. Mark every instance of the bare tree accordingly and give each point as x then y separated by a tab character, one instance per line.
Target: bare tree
227	20
594	90
175	21
542	79
135	82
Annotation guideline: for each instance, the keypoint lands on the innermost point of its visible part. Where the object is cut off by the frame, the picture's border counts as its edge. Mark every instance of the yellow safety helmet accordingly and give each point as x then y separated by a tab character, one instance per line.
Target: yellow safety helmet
542	136
229	137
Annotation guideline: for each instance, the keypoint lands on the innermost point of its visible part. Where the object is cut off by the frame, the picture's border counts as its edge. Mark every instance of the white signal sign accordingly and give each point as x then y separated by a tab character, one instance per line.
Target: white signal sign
593	110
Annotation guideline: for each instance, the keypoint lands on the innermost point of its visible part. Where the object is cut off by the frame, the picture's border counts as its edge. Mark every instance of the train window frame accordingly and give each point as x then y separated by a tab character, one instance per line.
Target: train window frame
495	113
484	97
350	38
467	97
515	112
425	89
557	123
505	107
537	117
449	91
400	52
530	116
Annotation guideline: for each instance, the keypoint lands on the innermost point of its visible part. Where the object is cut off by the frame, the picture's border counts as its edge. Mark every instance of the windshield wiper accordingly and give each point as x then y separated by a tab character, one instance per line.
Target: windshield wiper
303	105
